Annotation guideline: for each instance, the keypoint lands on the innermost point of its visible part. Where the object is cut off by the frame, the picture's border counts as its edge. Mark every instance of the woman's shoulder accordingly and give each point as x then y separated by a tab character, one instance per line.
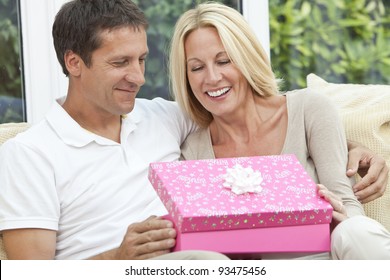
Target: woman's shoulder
197	145
305	96
308	102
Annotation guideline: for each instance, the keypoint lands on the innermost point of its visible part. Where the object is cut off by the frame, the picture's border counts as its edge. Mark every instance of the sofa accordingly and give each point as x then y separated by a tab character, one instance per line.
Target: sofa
365	112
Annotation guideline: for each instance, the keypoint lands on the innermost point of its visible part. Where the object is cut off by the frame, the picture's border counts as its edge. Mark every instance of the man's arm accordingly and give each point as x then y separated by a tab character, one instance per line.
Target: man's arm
371	167
30	244
150	238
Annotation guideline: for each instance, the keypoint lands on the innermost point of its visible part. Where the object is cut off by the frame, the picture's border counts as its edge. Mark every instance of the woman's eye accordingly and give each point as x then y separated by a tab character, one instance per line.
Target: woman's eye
197	68
223	62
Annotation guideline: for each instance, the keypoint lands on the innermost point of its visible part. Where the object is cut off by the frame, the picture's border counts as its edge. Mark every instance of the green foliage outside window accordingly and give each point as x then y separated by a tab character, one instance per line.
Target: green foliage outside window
346	41
11	104
341	41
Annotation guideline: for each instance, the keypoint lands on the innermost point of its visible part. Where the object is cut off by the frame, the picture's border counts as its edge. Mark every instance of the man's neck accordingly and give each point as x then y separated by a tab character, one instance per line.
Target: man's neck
104	125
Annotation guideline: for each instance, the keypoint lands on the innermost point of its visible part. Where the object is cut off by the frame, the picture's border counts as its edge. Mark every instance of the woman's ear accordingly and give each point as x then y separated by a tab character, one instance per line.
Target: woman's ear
73	63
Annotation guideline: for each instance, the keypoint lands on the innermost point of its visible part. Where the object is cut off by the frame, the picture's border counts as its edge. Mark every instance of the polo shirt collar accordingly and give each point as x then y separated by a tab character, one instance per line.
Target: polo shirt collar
74	135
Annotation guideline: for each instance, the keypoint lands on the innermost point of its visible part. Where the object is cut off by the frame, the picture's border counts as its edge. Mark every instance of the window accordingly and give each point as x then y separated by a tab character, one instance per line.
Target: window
43	77
342	41
11	78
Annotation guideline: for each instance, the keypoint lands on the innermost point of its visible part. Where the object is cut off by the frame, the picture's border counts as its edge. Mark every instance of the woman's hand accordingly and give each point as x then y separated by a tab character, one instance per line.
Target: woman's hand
339	213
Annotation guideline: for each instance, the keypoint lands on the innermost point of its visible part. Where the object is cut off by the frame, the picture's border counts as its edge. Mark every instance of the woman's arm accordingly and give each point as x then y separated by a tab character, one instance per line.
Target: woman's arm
327	147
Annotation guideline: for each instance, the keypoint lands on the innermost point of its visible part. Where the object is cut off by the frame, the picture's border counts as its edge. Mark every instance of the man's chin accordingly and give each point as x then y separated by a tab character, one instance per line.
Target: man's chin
126	110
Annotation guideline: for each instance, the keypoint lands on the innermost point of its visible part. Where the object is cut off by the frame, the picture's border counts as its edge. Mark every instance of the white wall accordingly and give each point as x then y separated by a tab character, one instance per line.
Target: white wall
44	80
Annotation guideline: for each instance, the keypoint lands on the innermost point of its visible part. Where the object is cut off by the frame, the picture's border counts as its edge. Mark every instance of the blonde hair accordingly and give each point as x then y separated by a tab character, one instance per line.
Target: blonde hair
241	45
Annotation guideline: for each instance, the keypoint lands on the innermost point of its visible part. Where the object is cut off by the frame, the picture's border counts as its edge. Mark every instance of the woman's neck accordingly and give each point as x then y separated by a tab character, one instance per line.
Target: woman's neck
261	130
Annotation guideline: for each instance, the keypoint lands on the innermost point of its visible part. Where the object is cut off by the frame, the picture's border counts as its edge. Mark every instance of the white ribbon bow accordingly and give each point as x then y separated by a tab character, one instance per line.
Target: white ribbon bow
243	180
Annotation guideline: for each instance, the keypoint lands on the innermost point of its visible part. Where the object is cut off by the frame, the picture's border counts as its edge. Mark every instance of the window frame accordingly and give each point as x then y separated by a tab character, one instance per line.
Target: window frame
43	79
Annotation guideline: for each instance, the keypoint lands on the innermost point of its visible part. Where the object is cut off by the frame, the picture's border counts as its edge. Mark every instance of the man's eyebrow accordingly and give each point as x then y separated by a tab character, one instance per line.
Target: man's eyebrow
119	56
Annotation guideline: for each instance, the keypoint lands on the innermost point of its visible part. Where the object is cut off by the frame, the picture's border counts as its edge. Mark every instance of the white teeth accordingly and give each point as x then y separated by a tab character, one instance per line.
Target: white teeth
218	92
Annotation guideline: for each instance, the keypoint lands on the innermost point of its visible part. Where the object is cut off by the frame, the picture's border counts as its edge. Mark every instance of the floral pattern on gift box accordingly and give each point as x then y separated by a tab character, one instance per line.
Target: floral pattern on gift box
194	195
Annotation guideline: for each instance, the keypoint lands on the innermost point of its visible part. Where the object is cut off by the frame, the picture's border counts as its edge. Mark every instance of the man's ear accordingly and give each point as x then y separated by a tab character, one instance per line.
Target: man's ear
73	63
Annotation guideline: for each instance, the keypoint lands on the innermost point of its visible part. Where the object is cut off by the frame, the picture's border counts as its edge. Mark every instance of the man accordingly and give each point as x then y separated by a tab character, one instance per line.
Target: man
81	172
71	184
373	170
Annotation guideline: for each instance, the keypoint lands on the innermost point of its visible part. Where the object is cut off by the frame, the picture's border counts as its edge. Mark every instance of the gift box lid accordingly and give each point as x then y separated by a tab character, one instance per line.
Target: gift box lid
194	194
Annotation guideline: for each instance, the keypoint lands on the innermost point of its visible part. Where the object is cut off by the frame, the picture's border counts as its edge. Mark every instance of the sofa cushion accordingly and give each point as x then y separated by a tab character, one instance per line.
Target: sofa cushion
365	111
9	130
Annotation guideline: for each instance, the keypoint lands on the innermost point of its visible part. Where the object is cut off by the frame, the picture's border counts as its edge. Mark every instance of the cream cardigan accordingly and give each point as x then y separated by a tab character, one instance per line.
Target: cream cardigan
315	135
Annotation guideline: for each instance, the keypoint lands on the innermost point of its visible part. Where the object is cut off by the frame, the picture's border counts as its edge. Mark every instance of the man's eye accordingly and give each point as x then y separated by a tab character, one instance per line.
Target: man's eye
119	63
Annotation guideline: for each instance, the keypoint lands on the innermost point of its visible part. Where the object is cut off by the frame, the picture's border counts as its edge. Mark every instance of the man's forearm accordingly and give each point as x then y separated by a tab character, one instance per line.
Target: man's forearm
352	144
108	255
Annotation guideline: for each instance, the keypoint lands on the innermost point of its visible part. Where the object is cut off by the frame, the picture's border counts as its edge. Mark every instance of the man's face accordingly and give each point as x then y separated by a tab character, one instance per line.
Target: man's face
117	69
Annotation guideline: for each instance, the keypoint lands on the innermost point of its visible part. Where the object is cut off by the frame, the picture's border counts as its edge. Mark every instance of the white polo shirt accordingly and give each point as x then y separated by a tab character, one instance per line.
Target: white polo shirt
58	176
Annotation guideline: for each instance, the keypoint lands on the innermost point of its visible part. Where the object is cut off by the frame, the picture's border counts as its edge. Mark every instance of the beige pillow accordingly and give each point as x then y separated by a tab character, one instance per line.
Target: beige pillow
365	111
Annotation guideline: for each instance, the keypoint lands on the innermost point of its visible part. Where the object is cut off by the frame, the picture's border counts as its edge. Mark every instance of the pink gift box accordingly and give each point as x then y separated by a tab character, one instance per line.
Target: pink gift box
287	215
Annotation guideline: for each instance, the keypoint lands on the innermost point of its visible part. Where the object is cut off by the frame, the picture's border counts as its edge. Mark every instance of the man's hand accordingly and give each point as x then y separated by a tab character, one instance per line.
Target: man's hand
371	167
150	238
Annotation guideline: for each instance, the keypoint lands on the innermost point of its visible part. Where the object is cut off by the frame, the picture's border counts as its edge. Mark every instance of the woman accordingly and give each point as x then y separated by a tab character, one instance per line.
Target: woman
222	78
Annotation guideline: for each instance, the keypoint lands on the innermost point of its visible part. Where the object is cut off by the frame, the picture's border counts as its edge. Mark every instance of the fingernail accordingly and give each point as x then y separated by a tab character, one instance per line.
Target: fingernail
171	242
172	233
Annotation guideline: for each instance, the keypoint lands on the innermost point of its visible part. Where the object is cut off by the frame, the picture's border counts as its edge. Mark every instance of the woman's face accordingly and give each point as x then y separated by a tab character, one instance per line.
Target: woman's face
214	79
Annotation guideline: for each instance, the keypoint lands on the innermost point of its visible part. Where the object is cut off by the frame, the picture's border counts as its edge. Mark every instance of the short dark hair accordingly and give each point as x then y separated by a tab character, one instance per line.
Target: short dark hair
79	23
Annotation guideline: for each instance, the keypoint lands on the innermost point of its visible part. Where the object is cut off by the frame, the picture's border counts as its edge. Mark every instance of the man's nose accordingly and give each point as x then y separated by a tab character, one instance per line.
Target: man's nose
136	74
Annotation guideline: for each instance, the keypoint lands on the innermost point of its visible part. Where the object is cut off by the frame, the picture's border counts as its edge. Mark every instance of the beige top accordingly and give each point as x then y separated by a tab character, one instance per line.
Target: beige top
314	134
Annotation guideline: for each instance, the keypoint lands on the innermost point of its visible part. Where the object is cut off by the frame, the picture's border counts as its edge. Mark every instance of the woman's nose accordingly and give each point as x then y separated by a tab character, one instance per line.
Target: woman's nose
214	75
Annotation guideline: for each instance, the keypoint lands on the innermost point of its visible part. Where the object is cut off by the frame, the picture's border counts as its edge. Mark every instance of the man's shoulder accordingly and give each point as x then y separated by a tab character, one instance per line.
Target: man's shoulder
157	102
159	112
35	135
158	107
